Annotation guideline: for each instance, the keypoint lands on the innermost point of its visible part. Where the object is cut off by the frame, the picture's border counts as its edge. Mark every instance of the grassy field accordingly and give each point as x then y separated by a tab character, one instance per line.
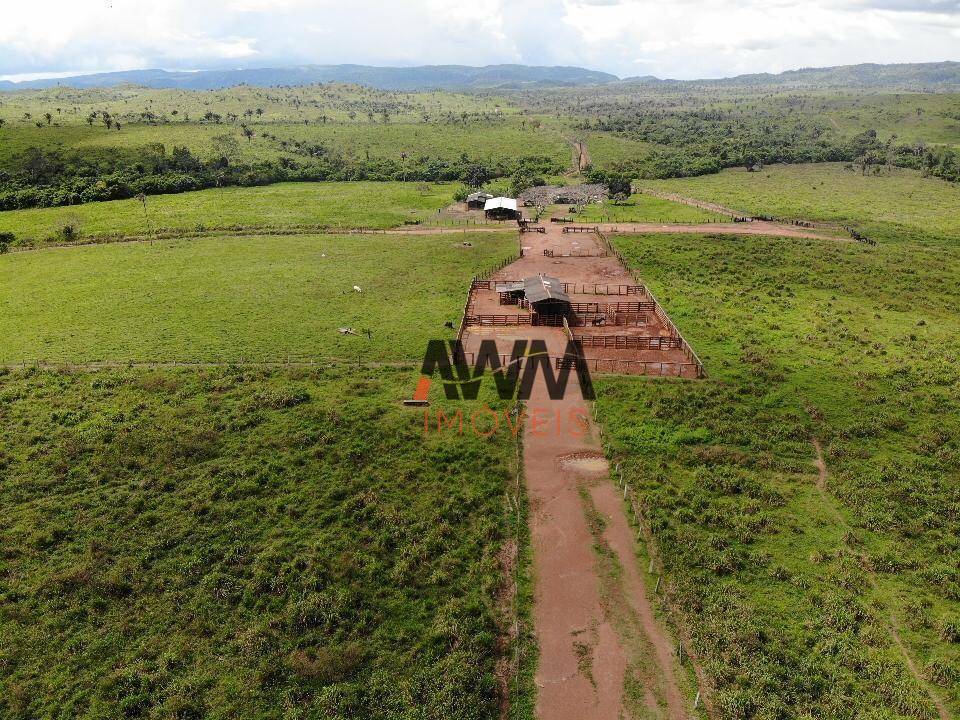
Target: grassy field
346	120
336	101
227	543
285	205
893	204
646	208
609	151
491	141
252	298
797	596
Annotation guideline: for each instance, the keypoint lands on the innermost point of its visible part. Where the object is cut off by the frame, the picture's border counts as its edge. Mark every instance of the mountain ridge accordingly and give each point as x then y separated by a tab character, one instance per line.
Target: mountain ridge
939	76
426	77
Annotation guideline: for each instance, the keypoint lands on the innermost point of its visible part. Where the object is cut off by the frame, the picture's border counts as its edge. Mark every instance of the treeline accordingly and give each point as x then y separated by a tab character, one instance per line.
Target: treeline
705	142
48	178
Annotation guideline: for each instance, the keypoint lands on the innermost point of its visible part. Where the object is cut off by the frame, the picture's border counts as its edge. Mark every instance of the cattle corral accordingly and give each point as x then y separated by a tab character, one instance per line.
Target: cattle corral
559	282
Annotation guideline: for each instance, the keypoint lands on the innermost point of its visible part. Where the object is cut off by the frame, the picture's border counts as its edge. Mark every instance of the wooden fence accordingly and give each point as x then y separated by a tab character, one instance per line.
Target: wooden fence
614	307
629	342
688	350
598	289
570	288
630	367
498	320
620	319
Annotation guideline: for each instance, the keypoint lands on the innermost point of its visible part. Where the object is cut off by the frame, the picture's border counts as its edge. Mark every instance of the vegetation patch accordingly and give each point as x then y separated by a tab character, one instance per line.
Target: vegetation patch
180	544
892	205
791	610
264	299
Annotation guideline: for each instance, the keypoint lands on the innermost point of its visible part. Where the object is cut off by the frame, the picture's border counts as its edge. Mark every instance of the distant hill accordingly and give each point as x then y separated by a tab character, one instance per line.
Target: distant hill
430	77
942	76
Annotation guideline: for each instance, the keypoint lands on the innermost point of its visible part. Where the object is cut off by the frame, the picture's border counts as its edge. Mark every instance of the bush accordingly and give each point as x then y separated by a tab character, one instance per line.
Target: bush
68	230
6	240
950	629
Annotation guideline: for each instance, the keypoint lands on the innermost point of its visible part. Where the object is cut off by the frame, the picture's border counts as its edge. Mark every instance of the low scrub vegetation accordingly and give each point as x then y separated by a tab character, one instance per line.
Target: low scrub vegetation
234	543
798	598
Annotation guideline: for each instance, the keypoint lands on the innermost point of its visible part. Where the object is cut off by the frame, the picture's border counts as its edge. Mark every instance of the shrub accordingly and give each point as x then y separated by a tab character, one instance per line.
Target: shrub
68	230
950	629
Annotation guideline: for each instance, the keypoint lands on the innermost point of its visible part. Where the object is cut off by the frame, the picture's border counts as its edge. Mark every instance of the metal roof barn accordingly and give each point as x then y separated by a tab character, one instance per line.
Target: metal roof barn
512	286
476	200
541	288
500	203
501	208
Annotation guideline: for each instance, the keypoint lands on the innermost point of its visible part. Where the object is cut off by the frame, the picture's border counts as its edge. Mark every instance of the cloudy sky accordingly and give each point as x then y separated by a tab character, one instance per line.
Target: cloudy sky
679	39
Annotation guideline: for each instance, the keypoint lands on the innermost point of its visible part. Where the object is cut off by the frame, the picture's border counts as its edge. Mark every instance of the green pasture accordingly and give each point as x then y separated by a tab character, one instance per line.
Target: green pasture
284	205
232	299
239	543
896	202
646	208
805	592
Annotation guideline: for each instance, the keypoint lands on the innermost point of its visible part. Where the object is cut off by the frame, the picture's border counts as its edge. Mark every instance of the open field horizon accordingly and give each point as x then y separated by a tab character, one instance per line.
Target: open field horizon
230	491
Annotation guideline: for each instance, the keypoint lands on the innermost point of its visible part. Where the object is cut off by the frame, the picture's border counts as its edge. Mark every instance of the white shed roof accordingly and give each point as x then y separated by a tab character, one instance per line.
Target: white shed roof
500	202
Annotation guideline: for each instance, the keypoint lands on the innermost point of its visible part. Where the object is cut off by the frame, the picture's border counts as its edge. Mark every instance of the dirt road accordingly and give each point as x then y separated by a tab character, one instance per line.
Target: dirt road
603	655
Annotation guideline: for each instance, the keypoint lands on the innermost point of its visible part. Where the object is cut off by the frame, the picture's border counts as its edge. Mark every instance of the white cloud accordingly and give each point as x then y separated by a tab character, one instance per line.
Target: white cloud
682	39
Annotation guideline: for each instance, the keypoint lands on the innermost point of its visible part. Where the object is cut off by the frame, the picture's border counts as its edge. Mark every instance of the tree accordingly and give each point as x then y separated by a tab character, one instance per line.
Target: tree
2	122
476	175
619	187
226	148
523	179
6	240
247	132
49	117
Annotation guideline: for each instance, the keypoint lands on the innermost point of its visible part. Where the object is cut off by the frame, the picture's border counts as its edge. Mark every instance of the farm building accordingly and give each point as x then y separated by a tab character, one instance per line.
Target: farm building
501	208
546	296
542	294
477	200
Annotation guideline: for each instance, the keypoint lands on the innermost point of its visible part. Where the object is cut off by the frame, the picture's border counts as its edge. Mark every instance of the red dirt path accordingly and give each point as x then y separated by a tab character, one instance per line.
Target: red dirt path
585	655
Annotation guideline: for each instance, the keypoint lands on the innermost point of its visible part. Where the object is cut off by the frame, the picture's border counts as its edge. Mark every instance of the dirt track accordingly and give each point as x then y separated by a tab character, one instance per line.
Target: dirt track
603	654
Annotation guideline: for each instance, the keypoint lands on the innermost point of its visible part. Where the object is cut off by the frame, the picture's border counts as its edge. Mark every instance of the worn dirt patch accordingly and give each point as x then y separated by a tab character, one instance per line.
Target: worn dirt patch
586	463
